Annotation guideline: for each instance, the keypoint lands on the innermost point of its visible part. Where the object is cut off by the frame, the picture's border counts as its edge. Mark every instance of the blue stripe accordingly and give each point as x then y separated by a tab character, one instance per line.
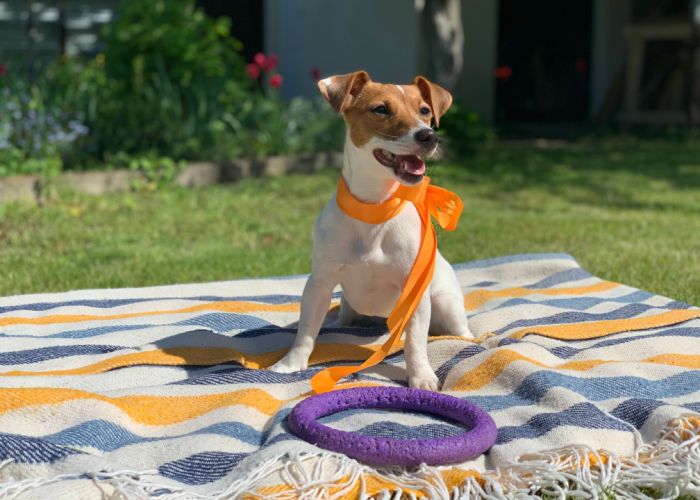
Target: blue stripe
582	415
28	450
481	284
107	436
47	353
567	276
86	333
395	430
536	386
567	351
201	468
241	375
575	303
356	331
510	259
222	322
472	350
625	312
109	303
284	436
636	410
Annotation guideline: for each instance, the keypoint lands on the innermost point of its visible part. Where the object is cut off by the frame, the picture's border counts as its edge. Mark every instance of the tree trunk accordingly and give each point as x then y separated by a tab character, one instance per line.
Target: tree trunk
442	41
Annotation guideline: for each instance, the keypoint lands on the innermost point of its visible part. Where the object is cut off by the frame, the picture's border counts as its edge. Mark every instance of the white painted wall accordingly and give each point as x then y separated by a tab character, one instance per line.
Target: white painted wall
383	37
608	47
341	36
476	87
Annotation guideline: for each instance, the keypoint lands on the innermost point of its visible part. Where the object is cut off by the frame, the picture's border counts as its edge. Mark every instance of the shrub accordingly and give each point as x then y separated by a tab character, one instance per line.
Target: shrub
33	133
171	85
462	128
168	68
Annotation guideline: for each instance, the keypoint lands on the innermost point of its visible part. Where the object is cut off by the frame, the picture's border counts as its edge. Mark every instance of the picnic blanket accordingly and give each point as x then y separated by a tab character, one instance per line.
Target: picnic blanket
163	391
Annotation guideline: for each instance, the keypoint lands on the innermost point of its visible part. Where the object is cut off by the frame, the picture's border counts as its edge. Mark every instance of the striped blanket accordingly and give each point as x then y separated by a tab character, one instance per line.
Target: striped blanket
163	392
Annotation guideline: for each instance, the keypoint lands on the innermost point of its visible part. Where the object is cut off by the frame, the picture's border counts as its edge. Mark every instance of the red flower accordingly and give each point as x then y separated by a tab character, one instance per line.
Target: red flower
253	71
260	60
276	81
503	72
315	73
270	63
3	70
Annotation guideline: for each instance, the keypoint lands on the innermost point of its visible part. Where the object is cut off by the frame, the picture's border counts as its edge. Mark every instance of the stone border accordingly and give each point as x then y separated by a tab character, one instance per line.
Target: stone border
29	188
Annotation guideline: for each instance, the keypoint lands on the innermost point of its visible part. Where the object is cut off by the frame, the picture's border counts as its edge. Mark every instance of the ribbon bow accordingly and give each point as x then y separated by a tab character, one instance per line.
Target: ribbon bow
445	207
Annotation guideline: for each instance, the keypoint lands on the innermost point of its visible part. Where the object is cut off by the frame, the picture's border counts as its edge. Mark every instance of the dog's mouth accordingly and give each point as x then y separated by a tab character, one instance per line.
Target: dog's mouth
408	168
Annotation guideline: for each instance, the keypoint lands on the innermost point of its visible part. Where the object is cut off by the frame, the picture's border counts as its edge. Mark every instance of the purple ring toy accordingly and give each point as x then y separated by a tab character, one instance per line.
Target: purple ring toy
389	451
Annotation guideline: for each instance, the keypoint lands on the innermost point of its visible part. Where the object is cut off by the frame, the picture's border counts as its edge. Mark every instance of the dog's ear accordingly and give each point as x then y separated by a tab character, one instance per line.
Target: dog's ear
437	98
341	90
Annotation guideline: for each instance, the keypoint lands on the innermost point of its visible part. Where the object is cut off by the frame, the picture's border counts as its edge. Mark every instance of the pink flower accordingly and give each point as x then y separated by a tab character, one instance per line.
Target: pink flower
3	70
253	71
260	60
276	81
270	63
315	73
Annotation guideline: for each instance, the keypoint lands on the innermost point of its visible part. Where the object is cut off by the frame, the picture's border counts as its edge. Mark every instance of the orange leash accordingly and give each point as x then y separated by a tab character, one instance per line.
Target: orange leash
445	207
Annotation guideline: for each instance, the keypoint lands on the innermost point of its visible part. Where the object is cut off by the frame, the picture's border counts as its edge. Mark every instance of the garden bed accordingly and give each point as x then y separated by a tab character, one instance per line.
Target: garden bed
31	188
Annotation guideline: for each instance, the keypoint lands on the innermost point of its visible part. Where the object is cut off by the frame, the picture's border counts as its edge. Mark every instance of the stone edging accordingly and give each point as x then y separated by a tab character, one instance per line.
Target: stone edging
196	174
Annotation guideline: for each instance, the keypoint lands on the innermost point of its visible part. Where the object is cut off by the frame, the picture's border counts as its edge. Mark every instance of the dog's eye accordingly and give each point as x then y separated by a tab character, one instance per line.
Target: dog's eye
380	110
424	110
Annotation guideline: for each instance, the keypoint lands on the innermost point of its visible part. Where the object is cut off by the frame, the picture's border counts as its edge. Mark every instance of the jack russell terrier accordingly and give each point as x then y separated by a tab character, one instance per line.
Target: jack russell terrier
388	130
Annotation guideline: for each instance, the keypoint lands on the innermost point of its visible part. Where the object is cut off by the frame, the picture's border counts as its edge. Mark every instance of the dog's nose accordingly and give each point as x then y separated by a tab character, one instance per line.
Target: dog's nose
426	137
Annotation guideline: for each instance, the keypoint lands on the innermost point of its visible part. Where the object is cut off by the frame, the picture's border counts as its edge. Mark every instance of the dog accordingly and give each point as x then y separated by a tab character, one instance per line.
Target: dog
388	131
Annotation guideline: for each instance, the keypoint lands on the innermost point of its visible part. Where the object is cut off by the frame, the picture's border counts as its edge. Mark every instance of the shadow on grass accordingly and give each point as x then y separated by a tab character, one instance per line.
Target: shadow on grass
627	175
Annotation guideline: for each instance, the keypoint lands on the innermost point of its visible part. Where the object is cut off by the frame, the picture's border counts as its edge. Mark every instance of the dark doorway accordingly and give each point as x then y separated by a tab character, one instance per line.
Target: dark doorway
543	71
246	21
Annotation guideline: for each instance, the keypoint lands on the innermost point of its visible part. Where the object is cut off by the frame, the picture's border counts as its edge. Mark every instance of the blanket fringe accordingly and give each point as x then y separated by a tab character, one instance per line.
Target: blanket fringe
665	469
668	468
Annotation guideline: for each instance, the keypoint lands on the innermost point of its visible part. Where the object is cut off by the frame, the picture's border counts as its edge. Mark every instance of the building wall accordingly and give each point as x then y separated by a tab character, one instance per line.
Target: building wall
382	37
609	47
341	36
476	88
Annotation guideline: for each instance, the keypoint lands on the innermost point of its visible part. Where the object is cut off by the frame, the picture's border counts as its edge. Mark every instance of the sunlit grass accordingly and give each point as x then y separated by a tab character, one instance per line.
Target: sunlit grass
628	211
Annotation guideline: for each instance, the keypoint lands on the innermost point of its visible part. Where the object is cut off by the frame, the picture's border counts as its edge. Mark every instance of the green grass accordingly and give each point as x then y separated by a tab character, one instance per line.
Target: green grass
627	210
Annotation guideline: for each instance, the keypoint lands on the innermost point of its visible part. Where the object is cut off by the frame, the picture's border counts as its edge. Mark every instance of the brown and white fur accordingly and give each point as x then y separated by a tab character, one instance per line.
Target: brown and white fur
388	130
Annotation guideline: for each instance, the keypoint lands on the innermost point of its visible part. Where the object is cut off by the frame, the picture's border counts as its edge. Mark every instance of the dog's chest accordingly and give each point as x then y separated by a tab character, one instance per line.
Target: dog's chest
374	260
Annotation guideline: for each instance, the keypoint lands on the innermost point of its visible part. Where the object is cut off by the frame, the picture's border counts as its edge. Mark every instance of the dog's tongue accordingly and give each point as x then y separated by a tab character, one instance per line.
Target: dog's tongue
412	164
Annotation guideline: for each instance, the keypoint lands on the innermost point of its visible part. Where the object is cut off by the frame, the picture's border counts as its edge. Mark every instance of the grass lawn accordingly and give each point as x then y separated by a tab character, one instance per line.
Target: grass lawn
628	210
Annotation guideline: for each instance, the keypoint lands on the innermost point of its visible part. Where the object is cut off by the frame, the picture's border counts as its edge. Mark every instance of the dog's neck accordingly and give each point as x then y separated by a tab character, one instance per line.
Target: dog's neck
367	180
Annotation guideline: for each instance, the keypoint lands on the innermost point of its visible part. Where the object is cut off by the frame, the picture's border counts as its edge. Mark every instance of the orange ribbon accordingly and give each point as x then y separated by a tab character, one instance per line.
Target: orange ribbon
445	207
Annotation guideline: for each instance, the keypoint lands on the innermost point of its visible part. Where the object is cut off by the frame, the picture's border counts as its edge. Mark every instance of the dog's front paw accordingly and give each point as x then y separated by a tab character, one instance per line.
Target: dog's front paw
289	364
465	332
425	381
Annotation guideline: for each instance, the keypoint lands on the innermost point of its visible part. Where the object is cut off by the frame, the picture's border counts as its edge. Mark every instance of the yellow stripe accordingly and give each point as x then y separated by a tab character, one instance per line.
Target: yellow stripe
224	306
147	410
595	329
496	364
474	299
165	410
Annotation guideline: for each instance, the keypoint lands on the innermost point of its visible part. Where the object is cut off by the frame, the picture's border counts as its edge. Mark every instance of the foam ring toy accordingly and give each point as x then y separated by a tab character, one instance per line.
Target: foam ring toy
389	451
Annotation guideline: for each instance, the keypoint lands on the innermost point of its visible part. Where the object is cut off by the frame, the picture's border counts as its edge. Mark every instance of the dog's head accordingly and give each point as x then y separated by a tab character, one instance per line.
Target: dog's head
391	121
